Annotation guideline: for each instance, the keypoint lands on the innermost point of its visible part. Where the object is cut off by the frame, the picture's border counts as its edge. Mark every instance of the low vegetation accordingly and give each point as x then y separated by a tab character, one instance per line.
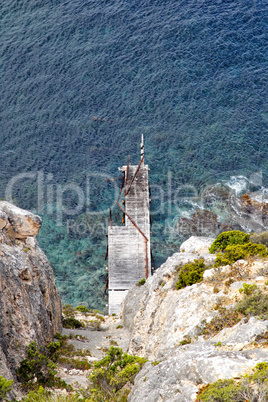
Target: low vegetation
43	395
235	245
191	273
5	387
69	320
82	309
141	282
37	368
230	238
72	323
225	318
259	238
40	366
252	387
239	252
254	303
68	311
112	374
186	340
65	353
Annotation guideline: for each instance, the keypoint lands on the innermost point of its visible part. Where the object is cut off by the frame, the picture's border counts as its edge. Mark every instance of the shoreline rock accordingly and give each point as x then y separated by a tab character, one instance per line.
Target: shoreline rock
30	305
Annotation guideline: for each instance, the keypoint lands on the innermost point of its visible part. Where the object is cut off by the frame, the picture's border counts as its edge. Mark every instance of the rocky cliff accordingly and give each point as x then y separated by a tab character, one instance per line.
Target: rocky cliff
30	305
166	327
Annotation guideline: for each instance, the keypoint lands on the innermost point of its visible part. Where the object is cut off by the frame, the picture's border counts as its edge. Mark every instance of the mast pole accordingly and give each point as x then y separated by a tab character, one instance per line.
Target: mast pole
142	149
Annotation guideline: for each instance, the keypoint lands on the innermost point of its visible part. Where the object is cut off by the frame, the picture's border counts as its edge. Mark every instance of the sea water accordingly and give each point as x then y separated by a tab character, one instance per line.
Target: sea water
81	80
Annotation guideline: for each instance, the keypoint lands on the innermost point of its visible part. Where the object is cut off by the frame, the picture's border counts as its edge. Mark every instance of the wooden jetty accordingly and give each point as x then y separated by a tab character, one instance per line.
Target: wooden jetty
129	256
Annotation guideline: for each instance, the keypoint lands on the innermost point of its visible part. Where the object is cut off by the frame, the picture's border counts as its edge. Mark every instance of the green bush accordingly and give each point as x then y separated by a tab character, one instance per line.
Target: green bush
68	310
40	365
191	273
141	282
5	387
112	373
186	340
228	239
252	387
260	372
37	365
238	252
221	391
248	289
254	302
43	395
67	355
82	309
71	322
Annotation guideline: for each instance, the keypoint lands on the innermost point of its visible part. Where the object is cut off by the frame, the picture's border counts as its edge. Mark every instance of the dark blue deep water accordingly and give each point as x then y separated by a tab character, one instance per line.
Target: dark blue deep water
81	80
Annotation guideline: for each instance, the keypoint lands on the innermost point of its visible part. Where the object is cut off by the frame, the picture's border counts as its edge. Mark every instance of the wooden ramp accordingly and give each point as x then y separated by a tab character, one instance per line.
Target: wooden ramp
129	256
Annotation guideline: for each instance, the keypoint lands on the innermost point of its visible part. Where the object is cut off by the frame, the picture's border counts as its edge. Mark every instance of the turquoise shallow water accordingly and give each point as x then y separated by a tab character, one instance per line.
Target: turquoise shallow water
82	80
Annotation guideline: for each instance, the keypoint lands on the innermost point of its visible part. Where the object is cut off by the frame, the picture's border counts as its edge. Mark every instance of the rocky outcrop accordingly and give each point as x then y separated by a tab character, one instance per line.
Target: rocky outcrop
30	305
162	316
177	378
202	223
20	224
162	320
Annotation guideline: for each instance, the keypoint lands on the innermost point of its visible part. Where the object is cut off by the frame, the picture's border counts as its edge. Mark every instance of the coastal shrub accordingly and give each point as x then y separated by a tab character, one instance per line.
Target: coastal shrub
67	354
72	322
236	252
43	395
230	238
95	325
141	282
82	309
186	340
100	317
260	372
191	273
248	289
225	318
37	365
261	339
68	311
5	387
259	238
254	302
251	387
221	391
112	373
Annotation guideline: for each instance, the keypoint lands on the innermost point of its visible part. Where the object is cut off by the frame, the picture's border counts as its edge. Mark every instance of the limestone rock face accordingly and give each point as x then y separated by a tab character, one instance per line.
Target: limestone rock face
22	224
162	319
176	378
197	244
160	315
30	305
3	219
